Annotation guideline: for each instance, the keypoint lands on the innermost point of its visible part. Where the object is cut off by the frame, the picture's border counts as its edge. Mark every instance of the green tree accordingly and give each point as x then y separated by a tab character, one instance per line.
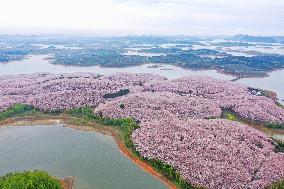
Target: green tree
29	180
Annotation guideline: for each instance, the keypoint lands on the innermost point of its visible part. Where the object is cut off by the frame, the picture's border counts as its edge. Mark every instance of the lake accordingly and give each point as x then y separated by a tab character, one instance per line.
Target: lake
274	82
93	159
38	63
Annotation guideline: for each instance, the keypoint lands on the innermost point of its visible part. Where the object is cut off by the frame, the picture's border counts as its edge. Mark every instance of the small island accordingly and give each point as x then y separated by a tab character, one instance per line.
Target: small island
186	52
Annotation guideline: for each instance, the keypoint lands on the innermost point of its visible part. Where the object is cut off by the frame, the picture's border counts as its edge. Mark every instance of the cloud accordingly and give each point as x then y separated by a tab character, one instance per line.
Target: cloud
168	17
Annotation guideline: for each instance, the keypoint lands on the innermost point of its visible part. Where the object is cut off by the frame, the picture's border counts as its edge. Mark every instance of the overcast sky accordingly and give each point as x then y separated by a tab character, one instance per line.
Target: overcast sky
164	17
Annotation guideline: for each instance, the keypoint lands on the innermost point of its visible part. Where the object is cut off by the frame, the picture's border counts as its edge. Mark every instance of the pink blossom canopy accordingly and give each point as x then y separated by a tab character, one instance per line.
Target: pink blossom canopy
179	121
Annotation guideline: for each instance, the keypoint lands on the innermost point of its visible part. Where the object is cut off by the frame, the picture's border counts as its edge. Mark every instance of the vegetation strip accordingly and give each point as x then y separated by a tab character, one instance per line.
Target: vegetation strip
29	179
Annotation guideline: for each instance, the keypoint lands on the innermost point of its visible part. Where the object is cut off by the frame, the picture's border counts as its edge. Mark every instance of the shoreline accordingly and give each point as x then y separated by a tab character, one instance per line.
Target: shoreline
123	149
115	133
51	59
106	130
67	183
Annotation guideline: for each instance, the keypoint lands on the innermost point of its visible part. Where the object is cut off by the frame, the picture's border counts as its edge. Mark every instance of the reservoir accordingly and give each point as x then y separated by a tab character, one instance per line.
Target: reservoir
38	63
91	158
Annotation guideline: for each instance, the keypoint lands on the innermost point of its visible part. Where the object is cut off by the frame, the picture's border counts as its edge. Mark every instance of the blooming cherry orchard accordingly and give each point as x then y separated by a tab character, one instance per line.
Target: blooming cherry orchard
213	153
59	92
145	106
224	93
179	120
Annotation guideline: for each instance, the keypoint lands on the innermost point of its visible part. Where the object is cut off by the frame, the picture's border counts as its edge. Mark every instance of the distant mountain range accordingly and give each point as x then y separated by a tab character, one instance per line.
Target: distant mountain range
138	38
262	39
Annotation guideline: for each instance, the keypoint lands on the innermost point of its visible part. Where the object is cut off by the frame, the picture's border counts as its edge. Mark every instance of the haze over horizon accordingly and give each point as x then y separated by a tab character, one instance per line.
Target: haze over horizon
160	17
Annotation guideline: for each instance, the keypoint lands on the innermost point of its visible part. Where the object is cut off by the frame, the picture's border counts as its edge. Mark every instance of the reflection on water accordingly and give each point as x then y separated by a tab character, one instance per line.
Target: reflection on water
93	159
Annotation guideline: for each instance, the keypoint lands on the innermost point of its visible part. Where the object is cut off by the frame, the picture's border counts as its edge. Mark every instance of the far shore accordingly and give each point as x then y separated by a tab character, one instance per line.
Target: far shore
218	70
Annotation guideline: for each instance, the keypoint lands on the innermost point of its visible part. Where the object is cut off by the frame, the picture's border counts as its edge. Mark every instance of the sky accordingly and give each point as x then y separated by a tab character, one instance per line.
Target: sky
161	17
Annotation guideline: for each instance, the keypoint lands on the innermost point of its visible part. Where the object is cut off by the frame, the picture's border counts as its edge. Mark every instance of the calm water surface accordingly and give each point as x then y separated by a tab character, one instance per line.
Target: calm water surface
39	64
93	159
274	82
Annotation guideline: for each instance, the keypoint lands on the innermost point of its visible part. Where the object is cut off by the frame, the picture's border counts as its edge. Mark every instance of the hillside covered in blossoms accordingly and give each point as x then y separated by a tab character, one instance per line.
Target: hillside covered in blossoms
180	120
